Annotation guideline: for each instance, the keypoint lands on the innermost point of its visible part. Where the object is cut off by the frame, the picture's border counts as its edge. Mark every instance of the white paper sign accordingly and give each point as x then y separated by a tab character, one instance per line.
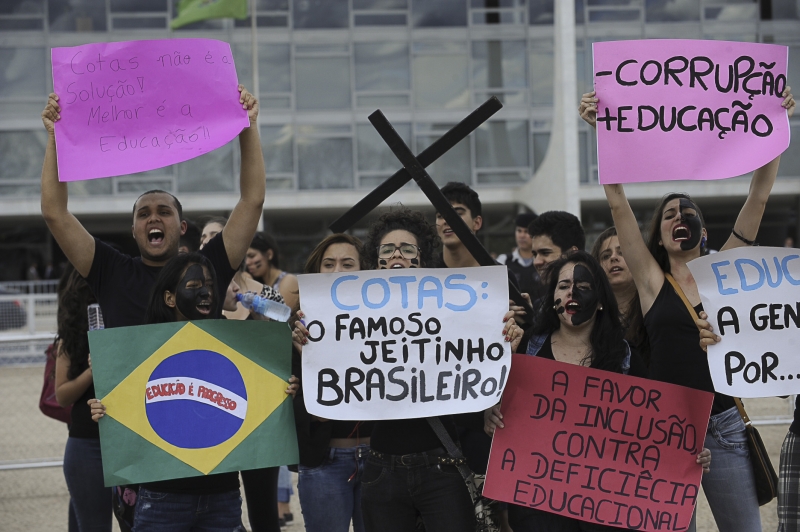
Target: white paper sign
752	298
398	344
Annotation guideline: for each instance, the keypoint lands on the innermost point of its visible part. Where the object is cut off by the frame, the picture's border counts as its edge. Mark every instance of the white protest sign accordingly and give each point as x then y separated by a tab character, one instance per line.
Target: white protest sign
399	344
752	298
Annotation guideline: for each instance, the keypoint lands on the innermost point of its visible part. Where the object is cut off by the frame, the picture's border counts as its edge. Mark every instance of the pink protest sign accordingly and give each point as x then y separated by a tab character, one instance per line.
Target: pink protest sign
681	109
597	446
133	106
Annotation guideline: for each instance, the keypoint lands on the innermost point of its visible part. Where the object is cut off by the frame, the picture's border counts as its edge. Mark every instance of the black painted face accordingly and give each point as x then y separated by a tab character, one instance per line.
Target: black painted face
691	220
194	297
583	303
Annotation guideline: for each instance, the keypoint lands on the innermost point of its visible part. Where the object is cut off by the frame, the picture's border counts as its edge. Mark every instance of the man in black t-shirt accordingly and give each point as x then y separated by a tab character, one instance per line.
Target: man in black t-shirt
122	284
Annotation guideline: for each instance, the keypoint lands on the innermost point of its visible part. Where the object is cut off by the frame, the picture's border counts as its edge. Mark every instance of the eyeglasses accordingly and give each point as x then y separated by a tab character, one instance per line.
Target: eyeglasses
407	251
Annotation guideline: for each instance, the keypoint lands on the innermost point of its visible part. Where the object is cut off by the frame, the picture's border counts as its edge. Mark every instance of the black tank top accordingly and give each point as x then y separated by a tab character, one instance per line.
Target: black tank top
675	353
81	424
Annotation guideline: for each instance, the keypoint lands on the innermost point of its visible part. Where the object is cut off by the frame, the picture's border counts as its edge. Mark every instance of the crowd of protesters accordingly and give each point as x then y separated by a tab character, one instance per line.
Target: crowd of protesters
613	309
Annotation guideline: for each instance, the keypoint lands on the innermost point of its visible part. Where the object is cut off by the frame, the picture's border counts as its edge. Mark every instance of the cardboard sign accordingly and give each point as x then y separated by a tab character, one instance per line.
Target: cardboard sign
397	344
189	399
598	446
681	109
128	107
752	298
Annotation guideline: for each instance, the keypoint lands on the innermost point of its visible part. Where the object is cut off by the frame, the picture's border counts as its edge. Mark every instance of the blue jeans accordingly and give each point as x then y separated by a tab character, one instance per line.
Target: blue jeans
395	490
175	512
730	486
330	494
90	500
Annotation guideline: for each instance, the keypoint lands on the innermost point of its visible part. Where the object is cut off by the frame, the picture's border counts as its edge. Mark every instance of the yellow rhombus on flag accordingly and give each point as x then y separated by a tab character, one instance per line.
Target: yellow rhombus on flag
190	11
205	397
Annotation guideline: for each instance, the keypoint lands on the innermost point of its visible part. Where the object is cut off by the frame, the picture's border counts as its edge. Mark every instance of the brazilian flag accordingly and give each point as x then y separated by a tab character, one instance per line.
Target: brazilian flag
190	11
193	398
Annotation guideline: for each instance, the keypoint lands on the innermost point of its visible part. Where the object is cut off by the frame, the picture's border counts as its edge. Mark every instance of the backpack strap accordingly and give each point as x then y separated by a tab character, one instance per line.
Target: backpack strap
679	291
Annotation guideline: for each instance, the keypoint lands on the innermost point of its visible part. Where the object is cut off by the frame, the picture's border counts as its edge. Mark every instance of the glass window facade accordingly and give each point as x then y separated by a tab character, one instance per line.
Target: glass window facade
324	65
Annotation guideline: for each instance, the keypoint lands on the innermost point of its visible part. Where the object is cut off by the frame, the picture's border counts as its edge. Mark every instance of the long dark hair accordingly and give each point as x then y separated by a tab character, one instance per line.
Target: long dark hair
607	338
157	310
633	319
264	242
314	262
658	251
72	318
412	221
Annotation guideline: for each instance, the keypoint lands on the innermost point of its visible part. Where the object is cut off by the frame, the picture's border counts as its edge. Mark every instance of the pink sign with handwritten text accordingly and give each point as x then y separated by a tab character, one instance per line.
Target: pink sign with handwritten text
681	109
133	106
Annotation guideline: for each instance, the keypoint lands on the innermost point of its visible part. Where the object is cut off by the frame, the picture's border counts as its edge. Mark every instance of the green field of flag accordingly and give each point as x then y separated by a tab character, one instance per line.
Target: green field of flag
193	398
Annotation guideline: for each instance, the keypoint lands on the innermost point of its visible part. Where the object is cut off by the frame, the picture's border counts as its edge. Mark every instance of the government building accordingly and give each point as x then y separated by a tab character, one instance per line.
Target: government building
325	65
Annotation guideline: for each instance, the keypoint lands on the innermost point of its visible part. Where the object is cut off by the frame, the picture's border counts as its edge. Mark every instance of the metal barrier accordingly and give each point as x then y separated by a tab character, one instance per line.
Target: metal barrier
31	287
24	349
30	314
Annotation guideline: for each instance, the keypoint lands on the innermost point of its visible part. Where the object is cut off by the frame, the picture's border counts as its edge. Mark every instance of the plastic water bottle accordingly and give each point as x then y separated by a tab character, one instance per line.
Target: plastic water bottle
266	307
95	317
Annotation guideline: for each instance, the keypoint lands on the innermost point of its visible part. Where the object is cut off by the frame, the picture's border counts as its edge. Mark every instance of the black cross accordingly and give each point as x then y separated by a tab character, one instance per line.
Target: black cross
414	168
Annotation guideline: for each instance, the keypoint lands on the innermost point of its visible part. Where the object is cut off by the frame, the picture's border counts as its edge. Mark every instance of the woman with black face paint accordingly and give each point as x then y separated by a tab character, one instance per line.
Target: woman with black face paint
184	291
677	235
578	323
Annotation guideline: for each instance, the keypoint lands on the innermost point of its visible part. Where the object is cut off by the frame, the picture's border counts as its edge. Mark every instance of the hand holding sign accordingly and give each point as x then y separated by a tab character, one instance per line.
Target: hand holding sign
250	104
51	113
707	336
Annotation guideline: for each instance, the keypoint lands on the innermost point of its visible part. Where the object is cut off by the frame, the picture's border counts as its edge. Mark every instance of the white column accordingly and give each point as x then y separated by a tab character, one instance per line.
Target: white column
555	186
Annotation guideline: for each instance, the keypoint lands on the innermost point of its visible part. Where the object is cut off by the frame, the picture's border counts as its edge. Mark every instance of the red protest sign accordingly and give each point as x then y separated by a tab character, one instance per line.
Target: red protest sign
598	446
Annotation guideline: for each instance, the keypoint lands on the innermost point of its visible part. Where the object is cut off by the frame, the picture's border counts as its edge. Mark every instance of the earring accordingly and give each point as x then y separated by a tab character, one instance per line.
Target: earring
702	242
600	308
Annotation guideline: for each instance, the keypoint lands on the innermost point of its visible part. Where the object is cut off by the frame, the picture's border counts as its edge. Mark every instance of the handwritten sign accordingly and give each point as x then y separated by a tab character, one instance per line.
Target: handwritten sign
681	109
395	344
133	106
598	446
752	298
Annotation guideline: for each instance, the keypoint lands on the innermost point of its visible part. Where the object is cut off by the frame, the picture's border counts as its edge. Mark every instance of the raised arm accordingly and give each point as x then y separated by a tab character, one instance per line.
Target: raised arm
646	272
749	219
243	221
72	237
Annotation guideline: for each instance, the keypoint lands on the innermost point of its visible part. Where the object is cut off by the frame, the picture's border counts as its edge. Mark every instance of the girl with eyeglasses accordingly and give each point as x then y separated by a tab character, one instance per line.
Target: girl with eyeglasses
406	478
